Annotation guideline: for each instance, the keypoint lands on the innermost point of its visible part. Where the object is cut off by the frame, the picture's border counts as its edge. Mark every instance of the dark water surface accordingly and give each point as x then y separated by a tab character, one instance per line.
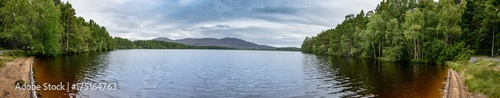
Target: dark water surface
236	73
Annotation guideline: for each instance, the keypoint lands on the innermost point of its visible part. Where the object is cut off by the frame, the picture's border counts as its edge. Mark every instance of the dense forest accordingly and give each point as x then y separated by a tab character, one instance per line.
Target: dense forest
49	27
414	30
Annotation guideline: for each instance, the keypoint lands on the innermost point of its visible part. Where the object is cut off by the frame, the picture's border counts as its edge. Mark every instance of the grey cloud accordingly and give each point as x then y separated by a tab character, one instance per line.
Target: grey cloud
219	26
272	22
277	10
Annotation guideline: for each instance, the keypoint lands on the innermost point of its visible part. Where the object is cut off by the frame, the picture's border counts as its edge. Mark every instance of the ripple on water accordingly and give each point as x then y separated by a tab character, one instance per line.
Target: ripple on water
235	73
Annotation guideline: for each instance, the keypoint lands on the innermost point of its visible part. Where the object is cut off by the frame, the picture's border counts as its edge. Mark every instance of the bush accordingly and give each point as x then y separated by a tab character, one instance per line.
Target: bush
456	52
392	54
431	49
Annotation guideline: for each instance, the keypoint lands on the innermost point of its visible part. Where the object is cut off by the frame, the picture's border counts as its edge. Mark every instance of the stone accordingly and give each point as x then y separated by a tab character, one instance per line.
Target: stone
491	64
21	82
472	60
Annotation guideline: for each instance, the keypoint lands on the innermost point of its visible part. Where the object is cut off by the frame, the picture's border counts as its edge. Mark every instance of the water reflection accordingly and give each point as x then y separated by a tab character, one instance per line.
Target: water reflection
69	69
351	77
237	73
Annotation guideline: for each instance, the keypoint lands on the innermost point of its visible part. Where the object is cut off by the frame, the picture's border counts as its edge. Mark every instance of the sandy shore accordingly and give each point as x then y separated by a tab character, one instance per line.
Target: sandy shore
10	73
456	87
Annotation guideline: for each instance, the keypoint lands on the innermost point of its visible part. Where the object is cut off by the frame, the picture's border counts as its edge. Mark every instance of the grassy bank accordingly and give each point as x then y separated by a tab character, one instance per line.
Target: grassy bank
480	77
10	56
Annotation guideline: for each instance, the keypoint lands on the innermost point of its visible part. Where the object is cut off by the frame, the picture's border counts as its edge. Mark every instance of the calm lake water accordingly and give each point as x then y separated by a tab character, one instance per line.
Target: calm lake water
236	73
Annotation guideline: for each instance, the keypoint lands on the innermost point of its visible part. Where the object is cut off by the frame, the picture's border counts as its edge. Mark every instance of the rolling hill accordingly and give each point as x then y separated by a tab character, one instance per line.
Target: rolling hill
224	42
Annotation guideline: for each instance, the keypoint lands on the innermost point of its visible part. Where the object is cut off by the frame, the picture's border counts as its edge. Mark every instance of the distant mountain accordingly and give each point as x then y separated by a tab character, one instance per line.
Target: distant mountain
224	42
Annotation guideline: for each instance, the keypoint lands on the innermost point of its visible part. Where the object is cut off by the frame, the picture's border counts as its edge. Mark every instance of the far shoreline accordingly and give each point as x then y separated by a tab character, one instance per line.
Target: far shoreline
214	49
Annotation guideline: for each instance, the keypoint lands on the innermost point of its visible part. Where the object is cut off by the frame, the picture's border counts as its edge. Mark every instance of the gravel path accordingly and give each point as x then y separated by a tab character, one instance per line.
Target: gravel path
475	59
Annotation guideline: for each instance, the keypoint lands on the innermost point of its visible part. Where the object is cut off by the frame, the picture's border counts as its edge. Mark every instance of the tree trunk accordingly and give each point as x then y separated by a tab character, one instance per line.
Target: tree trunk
418	50
350	47
493	43
374	51
415	50
379	50
67	37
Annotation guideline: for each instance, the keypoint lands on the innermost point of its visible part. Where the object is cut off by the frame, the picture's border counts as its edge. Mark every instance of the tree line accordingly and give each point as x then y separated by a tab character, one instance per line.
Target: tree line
414	30
49	27
122	43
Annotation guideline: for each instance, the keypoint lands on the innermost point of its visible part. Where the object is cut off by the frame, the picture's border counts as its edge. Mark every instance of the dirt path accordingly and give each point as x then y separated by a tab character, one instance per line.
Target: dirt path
456	86
457	89
10	73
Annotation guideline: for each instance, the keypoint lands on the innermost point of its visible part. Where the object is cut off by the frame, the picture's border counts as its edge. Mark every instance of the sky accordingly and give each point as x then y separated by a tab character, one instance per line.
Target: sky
280	23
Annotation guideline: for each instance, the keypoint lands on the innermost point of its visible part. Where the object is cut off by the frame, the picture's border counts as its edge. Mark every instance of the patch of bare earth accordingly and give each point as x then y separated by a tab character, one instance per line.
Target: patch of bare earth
457	88
10	73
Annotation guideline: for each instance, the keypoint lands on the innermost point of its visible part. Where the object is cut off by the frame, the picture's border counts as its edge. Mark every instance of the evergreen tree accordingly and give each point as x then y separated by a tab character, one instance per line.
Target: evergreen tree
416	30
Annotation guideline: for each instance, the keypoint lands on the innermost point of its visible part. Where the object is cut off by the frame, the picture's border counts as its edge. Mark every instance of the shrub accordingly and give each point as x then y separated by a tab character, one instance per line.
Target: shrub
456	52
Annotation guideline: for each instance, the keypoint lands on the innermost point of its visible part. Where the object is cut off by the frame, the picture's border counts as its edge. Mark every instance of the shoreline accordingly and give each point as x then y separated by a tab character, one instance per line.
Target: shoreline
19	69
32	78
456	88
22	68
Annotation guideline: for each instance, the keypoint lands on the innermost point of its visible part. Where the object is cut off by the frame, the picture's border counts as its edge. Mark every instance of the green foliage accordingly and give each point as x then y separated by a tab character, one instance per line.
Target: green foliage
411	30
373	36
288	49
17	23
2	63
14	53
339	41
322	49
459	51
49	27
330	51
395	41
479	77
122	43
480	25
154	44
314	50
345	45
490	23
10	56
449	17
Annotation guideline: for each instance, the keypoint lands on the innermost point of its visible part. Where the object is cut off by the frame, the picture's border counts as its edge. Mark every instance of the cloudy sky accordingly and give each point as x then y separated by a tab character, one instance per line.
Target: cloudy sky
271	22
